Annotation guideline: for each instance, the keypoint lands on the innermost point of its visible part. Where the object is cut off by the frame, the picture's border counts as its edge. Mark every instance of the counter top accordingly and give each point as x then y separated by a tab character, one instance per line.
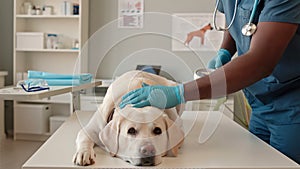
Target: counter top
3	73
13	93
18	94
229	146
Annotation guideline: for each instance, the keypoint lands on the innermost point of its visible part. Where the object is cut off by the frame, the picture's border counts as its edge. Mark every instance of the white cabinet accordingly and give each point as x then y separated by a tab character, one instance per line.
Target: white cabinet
34	22
37	113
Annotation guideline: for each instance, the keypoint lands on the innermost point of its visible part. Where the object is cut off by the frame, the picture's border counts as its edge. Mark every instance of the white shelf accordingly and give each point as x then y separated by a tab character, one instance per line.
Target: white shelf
49	50
47	16
69	28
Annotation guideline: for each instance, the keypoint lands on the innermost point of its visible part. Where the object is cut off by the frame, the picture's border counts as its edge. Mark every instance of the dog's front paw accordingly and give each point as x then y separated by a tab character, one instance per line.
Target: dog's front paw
84	157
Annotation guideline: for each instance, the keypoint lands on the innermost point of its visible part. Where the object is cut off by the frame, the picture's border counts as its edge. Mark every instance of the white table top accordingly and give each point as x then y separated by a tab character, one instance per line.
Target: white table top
230	146
13	93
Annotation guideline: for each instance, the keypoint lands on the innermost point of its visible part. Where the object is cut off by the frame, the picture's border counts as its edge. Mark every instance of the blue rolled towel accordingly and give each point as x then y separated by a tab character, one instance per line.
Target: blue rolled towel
47	75
54	79
64	82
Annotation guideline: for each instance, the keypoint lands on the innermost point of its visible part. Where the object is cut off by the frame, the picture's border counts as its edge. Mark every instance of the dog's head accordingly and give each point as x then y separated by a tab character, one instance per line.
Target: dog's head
141	136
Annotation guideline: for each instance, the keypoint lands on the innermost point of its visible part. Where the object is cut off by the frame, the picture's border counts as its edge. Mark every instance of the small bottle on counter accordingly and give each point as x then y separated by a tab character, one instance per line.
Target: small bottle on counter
33	10
48	10
51	41
75	44
26	8
75	9
38	10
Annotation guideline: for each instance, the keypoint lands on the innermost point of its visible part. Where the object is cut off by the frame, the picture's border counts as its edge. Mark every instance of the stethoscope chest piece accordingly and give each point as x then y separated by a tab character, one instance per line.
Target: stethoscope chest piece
249	29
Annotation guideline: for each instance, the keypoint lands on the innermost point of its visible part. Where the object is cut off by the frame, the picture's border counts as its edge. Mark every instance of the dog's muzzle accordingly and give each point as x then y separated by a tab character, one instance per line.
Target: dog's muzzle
147	152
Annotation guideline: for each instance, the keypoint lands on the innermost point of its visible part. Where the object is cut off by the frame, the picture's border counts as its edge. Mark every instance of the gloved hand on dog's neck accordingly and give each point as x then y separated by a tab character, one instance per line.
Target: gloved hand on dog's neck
163	97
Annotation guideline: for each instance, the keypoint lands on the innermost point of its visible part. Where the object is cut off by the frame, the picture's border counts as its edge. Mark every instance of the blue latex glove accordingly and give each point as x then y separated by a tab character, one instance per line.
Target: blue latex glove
163	97
223	57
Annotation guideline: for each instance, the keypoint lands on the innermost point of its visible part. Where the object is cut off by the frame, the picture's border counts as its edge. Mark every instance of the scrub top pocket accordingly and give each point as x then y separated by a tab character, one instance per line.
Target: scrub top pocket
243	17
244	14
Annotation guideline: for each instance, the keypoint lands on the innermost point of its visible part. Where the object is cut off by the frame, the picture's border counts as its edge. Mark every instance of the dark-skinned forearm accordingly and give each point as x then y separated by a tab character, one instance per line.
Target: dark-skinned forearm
247	69
228	43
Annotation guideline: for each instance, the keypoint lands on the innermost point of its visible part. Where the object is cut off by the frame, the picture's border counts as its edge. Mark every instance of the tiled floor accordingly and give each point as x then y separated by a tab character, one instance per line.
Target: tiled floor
13	154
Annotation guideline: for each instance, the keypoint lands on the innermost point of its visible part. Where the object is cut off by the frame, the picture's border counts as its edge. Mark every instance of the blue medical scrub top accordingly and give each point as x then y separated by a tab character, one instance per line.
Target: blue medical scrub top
275	98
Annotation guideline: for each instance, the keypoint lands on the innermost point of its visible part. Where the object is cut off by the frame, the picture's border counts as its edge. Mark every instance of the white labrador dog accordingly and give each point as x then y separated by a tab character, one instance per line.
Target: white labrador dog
140	136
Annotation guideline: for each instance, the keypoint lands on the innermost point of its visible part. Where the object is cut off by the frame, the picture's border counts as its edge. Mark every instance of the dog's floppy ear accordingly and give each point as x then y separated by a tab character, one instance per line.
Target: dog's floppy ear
175	137
109	136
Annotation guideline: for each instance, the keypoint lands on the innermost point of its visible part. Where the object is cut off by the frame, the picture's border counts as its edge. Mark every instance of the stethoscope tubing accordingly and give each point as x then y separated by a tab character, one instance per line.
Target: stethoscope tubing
253	11
234	16
215	15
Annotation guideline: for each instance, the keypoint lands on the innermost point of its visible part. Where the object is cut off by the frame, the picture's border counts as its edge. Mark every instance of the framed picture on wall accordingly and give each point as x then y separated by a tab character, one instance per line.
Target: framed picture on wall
194	31
131	13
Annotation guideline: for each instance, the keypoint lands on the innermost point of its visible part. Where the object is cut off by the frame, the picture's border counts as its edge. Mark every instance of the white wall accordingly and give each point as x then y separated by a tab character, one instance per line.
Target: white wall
139	46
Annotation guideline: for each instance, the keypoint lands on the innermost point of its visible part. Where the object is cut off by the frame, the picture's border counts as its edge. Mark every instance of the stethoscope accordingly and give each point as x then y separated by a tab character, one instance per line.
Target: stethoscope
248	29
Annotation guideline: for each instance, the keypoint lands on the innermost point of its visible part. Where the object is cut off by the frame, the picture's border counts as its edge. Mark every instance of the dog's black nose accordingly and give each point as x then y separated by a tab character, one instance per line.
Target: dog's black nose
147	150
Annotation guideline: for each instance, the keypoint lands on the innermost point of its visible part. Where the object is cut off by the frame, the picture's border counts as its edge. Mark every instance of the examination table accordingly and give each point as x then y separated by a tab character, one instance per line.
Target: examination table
230	146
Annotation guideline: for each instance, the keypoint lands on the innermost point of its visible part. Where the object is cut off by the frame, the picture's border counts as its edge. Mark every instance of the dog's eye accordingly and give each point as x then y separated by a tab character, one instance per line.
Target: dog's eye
132	131
157	131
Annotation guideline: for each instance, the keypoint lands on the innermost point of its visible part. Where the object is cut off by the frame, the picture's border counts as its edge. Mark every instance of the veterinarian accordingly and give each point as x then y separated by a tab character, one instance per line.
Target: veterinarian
267	69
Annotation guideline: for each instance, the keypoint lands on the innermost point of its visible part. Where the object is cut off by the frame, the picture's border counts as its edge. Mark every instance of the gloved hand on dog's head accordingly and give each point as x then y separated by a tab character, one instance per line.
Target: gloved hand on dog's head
159	96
